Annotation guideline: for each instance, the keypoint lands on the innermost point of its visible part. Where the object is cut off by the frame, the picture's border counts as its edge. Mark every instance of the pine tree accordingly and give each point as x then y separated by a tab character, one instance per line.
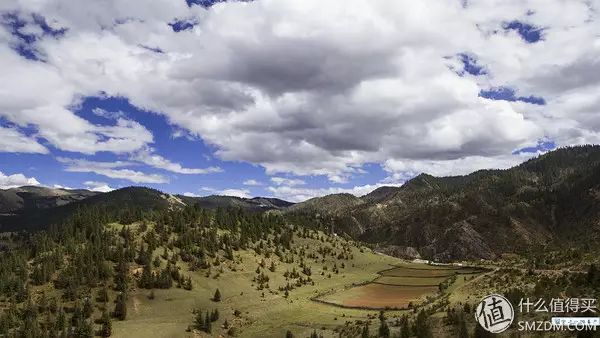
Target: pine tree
404	329
61	320
31	326
199	320
462	328
217	296
84	329
121	307
88	307
106	330
365	331
214	316
103	295
422	329
207	323
384	330
289	334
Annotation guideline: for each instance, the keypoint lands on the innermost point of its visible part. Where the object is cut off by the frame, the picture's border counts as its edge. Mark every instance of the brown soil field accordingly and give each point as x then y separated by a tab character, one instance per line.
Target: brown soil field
409	281
382	296
421	273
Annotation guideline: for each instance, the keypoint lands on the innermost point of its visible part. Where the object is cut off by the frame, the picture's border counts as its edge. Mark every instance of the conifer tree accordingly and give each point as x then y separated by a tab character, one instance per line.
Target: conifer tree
217	296
121	306
214	315
106	330
199	320
365	331
207	323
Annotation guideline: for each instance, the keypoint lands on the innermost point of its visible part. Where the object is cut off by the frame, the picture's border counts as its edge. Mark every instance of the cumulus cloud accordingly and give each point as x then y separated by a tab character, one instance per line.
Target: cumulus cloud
22	103
299	194
16	180
148	157
58	186
315	88
111	115
97	186
252	183
11	141
287	181
243	193
111	169
401	170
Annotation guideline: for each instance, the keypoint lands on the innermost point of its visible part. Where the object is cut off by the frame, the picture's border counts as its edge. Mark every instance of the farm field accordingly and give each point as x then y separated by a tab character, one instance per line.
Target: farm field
410	281
379	296
399	287
426	272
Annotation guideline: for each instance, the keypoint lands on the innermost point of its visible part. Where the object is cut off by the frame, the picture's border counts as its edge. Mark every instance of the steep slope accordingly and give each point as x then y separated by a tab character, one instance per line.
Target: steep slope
380	194
48	207
329	205
29	198
247	204
553	199
35	207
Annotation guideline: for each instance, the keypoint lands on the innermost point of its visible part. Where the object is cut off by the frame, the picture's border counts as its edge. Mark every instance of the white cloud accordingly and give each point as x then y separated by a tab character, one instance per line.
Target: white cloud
252	183
97	186
287	181
401	170
243	193
346	82
147	156
16	180
38	94
112	115
11	141
58	186
111	169
296	194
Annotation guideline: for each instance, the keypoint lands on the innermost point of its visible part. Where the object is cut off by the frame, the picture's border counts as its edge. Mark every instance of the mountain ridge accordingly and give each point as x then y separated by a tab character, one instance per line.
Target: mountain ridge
552	199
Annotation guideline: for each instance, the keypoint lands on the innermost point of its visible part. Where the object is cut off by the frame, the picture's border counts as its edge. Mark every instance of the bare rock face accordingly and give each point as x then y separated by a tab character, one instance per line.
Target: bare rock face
406	252
459	240
548	200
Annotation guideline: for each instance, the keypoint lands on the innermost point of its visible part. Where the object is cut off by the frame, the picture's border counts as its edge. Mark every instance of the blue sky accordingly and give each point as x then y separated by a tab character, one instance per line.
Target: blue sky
292	99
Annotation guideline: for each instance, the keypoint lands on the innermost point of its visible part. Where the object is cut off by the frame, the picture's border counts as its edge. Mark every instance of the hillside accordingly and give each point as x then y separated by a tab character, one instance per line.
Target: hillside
28	198
249	204
38	207
552	199
329	205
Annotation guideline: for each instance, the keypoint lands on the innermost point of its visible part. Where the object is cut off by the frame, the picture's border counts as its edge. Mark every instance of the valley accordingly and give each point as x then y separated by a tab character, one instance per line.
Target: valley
137	262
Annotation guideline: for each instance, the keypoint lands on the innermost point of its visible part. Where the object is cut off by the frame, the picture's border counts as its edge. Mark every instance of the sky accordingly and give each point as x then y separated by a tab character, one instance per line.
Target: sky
289	98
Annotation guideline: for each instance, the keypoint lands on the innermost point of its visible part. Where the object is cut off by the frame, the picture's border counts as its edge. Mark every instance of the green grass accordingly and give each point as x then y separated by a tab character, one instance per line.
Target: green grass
170	313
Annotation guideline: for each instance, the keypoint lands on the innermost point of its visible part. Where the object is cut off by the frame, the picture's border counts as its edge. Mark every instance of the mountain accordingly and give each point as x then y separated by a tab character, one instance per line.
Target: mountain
248	204
330	204
30	198
37	207
553	199
380	194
